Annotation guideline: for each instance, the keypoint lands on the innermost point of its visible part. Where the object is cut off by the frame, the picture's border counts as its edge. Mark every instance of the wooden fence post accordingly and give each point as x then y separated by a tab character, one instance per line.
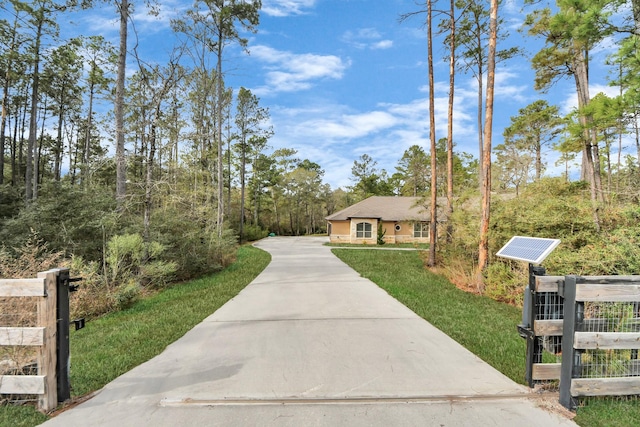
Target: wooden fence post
47	317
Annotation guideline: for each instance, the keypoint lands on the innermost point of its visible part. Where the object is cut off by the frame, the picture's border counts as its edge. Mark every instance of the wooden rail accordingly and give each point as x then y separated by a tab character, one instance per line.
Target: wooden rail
43	336
606	289
571	293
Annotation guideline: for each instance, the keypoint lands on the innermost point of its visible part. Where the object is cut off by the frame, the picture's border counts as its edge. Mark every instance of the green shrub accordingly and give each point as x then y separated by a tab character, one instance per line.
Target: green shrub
254	232
222	248
92	299
12	201
505	281
194	249
129	258
157	274
381	233
126	294
549	208
68	218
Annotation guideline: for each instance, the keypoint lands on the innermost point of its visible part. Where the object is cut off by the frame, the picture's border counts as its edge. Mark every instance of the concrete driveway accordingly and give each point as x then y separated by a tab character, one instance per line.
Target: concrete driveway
311	343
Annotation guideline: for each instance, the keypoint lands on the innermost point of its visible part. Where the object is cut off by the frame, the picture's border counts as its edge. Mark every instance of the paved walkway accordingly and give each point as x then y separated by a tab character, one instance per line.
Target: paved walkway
311	343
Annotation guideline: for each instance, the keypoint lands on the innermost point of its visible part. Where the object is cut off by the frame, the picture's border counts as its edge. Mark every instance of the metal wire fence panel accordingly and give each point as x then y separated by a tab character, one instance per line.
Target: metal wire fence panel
549	306
612	325
601	336
19	312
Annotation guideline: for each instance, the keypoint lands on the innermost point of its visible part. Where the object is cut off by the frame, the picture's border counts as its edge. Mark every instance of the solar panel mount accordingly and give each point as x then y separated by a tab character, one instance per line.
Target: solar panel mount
530	249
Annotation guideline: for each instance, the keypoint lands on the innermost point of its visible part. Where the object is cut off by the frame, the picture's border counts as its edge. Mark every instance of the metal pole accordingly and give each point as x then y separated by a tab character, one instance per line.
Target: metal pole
62	337
568	292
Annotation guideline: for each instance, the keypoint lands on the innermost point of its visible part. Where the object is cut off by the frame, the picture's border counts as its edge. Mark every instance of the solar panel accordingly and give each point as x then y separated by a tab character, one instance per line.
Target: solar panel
529	249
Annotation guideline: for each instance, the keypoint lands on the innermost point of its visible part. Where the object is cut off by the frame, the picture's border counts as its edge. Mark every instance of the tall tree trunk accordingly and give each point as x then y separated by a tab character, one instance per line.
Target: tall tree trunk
636	16
452	74
481	145
538	159
219	83
5	98
228	206
121	161
22	138
243	162
637	131
589	167
38	153
433	225
276	213
3	124
86	151
149	180
483	249
59	145
30	181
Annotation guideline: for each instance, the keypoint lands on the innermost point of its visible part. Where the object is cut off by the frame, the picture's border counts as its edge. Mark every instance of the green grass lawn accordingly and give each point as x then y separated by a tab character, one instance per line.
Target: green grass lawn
485	327
114	344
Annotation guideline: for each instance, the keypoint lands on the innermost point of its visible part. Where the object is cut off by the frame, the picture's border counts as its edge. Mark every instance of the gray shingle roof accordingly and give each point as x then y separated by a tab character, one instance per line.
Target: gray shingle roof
386	208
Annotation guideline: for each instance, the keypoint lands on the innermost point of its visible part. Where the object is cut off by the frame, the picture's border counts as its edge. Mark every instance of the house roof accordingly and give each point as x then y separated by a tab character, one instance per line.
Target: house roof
385	208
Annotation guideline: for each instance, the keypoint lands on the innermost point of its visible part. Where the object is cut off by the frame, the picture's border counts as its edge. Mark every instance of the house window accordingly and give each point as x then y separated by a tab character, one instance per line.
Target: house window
421	229
363	230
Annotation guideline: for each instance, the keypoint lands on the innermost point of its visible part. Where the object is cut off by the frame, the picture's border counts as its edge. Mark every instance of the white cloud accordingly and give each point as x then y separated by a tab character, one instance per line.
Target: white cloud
366	38
351	126
334	135
289	72
383	44
282	8
504	90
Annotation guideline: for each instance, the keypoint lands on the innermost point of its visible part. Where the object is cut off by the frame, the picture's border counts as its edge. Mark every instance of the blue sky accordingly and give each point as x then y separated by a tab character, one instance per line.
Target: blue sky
342	78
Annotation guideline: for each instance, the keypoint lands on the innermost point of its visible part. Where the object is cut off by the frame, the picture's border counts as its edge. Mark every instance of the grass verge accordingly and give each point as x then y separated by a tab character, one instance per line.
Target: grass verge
116	343
485	327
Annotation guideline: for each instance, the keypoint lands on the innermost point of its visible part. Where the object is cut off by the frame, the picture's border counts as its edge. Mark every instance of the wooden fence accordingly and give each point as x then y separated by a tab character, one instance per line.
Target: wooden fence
594	323
43	336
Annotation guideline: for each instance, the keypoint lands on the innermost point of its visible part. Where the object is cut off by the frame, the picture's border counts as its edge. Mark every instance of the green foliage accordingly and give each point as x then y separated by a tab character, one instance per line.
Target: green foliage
67	217
551	208
254	232
92	299
124	256
222	248
130	260
505	281
381	233
368	179
11	202
126	294
194	249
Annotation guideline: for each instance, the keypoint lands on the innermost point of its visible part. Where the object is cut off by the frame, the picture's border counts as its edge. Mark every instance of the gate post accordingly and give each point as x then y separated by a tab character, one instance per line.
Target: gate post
569	354
63	360
529	313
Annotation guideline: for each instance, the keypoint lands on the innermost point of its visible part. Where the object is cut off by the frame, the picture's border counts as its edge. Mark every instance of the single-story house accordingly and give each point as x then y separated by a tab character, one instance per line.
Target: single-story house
403	220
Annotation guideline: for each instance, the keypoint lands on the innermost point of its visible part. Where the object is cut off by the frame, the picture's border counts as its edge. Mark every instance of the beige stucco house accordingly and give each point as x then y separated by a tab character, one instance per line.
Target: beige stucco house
403	219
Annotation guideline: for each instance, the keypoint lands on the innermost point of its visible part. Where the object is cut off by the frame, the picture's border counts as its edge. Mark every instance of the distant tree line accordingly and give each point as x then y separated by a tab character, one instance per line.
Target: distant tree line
91	151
